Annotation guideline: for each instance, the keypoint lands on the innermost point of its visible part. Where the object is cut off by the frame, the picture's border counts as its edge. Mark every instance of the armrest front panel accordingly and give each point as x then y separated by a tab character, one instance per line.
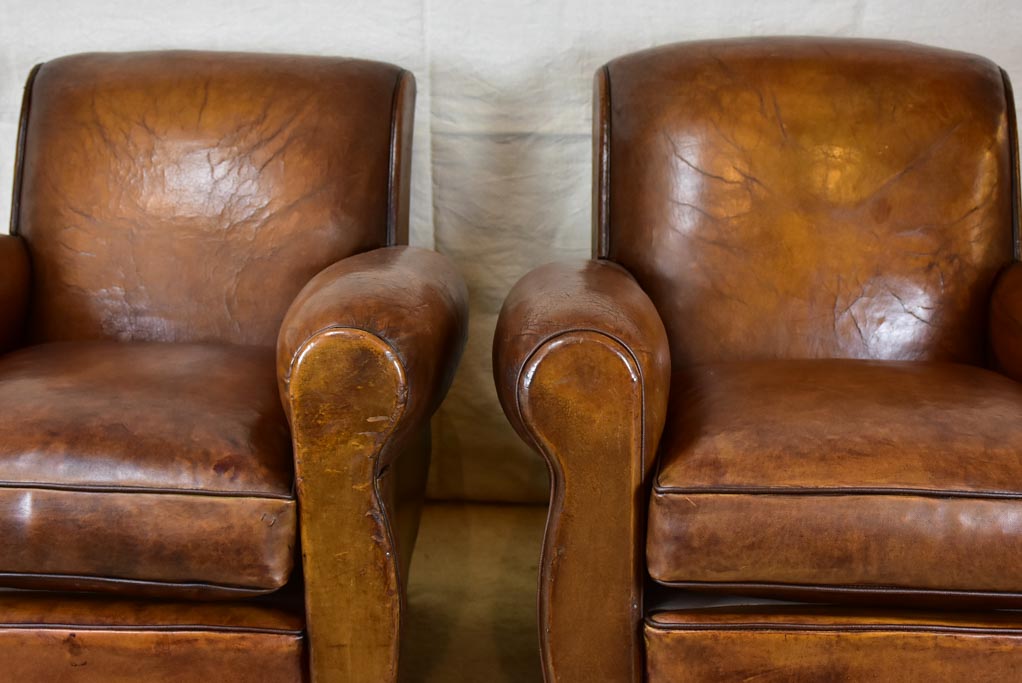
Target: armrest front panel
365	356
582	369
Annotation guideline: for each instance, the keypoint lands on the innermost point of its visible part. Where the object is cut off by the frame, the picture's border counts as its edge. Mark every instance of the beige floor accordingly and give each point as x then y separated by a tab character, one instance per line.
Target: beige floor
472	595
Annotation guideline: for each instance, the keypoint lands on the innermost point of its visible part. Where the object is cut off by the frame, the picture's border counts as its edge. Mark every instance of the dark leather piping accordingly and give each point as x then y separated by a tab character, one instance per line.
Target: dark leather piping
1015	176
19	158
393	172
827	491
78	488
601	167
133	628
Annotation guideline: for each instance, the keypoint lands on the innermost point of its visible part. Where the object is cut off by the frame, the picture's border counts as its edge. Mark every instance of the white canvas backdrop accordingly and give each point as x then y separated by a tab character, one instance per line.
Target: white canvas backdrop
502	152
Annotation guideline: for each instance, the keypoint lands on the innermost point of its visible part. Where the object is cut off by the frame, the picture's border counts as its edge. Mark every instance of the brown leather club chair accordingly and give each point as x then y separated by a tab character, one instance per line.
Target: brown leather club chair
212	339
791	371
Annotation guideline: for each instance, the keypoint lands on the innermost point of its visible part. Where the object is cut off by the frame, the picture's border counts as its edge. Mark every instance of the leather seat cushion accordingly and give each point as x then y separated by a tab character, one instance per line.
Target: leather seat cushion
161	469
832	478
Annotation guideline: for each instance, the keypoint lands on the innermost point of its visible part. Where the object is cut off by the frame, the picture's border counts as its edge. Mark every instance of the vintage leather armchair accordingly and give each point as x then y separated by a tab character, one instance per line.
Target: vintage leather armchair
790	372
213	339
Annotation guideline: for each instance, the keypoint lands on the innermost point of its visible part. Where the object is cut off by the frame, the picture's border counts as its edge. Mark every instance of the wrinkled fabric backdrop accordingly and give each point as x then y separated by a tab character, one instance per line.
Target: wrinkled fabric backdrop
502	132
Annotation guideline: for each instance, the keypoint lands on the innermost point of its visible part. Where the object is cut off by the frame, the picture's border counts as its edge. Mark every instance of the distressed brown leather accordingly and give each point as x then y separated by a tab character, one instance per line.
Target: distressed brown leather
831	644
166	465
809	197
582	370
365	355
14	288
173	206
61	637
787	205
257	171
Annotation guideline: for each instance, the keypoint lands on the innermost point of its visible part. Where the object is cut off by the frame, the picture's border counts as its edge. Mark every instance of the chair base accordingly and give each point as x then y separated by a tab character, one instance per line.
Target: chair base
768	641
56	637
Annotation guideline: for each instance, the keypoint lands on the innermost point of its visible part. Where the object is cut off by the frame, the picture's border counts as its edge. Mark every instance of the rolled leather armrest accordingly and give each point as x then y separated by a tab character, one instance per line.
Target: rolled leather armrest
411	299
590	296
365	355
582	367
15	274
1006	322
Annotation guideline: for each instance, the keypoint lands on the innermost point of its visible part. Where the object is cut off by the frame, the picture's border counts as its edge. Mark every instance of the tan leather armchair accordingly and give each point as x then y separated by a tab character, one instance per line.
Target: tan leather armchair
781	405
219	365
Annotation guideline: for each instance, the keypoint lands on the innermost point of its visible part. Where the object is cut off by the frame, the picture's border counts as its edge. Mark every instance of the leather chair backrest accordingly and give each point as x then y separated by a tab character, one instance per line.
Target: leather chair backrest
805	198
188	196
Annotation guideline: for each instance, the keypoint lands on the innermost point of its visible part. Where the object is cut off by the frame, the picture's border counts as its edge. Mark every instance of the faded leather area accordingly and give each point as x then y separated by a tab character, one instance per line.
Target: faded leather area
164	469
840	474
188	196
46	637
786	198
831	644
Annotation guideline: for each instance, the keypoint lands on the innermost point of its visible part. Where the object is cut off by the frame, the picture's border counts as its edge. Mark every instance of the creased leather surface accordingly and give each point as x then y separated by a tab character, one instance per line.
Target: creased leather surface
780	644
154	463
189	196
785	198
